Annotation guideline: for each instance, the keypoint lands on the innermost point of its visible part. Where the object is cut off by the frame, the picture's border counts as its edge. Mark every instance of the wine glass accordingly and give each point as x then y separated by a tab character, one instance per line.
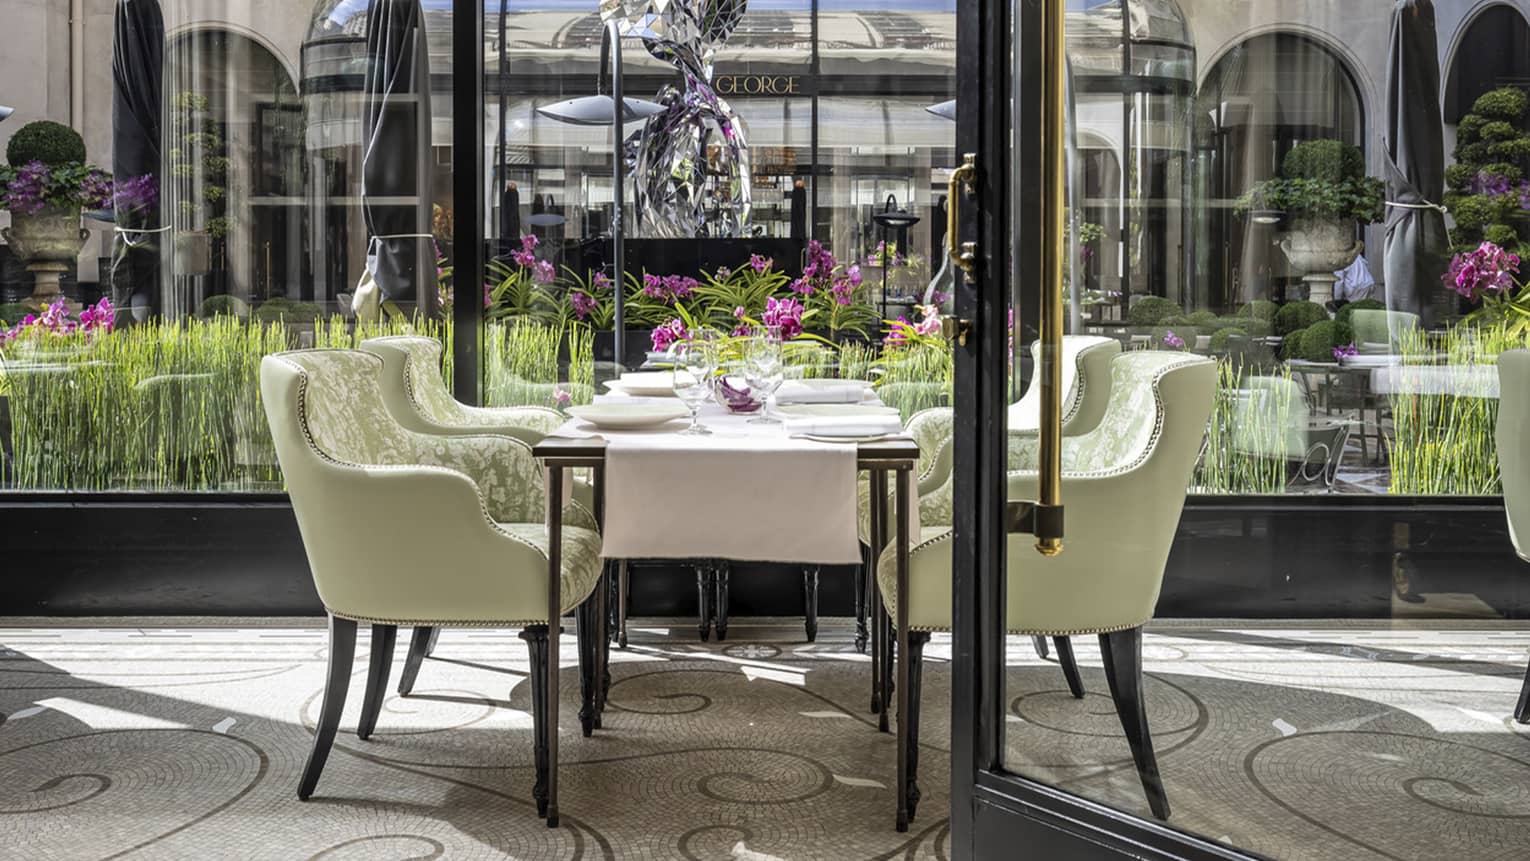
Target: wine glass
764	371
695	368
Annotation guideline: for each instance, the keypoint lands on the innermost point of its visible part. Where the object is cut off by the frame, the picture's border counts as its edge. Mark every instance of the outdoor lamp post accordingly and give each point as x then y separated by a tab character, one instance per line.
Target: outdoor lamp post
616	111
897	220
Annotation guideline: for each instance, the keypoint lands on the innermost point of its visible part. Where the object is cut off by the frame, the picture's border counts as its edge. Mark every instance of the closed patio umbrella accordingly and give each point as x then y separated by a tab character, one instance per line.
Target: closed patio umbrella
1416	242
395	173
138	54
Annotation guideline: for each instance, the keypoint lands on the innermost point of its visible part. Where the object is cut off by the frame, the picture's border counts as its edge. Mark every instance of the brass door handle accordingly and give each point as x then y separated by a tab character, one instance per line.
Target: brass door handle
962	179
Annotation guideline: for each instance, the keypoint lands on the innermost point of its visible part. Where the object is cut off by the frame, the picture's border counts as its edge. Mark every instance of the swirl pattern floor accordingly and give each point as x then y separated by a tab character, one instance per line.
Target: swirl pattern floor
186	742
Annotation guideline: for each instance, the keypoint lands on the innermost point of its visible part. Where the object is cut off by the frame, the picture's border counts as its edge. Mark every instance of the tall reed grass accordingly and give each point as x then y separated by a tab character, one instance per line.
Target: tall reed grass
1445	417
1247	437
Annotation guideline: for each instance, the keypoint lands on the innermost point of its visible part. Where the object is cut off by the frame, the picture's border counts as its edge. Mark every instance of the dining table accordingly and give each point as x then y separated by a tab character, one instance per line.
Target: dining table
888	460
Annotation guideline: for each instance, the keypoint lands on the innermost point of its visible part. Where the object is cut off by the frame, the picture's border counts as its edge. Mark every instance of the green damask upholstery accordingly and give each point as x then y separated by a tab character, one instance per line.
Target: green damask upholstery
420	401
1085	358
407	528
1123	488
1513	438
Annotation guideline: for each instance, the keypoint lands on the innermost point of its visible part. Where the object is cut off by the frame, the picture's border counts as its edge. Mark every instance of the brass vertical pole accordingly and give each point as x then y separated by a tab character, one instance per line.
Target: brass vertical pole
1049	515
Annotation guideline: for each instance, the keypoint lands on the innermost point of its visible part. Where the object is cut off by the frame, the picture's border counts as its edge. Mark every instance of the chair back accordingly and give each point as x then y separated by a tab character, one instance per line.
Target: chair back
412	386
1123	488
1513	437
1382	329
1085	377
1271	418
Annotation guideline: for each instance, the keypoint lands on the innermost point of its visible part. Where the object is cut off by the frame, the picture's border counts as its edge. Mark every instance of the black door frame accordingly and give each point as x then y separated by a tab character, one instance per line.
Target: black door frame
993	811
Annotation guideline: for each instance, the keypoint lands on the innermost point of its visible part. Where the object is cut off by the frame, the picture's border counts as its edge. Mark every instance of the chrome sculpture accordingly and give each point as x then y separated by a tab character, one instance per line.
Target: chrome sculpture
692	161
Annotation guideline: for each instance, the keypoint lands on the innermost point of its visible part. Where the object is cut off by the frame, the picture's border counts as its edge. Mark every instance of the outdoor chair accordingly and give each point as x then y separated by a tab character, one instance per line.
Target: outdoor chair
1107	579
404	528
1513	437
1378	331
418	399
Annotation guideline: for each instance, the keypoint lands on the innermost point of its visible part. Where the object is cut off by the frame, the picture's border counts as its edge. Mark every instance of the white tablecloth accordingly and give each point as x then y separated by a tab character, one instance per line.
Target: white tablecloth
746	492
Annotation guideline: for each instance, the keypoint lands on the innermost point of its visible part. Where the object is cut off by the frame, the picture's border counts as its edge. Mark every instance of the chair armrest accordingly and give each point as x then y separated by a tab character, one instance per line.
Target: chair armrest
532	418
412	542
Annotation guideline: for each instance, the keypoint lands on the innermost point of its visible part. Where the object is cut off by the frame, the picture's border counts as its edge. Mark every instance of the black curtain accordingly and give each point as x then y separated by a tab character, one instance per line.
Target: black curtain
138	55
396	153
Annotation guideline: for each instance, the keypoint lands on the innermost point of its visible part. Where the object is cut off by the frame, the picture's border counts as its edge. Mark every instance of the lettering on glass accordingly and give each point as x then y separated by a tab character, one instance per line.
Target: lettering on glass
758	85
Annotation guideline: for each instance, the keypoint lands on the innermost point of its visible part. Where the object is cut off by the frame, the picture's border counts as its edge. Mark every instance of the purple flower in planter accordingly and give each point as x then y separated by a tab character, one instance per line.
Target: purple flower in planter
1488	183
1344	352
785	315
1487	270
665	336
544	272
98	317
141	192
601	281
584	304
561	396
760	263
1173	341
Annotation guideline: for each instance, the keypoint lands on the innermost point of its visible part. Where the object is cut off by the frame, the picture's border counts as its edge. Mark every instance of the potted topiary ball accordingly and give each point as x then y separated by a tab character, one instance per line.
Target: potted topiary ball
1323	192
46	184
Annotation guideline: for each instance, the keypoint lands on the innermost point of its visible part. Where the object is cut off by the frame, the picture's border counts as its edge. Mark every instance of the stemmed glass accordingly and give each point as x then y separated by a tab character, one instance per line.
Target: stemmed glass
764	371
695	370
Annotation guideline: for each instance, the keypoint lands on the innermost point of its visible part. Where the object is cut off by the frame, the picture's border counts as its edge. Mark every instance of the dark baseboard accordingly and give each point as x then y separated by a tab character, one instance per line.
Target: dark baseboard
1267	557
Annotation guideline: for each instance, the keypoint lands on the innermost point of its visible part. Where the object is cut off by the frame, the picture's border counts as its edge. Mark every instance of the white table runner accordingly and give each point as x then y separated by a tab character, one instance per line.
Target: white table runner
746	492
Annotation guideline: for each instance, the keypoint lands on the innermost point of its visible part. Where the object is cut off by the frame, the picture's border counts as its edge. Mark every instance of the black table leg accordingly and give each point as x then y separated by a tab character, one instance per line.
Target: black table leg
720	571
810	602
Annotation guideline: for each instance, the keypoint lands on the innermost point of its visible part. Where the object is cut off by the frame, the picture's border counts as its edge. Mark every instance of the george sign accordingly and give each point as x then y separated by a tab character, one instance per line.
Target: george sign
761	85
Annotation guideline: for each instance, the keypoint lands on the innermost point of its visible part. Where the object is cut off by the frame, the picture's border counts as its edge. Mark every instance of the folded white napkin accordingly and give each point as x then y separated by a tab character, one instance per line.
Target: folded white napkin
821	392
847	426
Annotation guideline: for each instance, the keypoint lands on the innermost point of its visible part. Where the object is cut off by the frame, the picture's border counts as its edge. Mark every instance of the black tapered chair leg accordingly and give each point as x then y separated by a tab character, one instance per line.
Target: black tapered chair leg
720	572
383	638
1122	653
587	634
1040	645
1069	666
623	582
1522	711
342	653
704	602
430	642
536	647
916	643
810	603
420	644
861	601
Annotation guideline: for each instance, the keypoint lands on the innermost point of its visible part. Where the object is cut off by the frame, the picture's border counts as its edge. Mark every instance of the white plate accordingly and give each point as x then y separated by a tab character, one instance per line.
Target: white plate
818	410
820	438
628	416
645	384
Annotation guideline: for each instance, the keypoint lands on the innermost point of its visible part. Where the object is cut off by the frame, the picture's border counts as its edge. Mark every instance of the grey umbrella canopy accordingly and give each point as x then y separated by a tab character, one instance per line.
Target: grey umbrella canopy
1415	170
138	54
395	172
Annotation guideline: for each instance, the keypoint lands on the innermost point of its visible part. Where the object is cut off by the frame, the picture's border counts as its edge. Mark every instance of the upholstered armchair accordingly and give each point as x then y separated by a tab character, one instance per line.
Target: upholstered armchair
1085	384
1513	436
1106	582
405	528
418	398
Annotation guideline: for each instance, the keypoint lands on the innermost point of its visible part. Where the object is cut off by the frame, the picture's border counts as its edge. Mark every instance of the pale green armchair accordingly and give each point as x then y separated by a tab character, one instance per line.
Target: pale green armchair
1106	581
418	398
404	528
1513	436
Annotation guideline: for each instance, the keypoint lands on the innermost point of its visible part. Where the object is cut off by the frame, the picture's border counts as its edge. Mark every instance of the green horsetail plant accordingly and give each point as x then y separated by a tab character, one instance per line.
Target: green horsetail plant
1246	438
521	362
1445	427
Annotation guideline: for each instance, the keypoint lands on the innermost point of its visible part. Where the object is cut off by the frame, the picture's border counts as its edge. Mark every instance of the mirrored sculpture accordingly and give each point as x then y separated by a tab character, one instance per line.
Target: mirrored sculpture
692	165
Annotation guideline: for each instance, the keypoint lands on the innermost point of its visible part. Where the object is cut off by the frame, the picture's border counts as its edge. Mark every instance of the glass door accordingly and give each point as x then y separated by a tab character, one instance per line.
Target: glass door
1265	633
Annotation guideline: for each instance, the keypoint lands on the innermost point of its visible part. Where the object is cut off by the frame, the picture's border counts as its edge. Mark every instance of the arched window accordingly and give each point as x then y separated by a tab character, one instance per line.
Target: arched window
1495	53
1262	98
233	162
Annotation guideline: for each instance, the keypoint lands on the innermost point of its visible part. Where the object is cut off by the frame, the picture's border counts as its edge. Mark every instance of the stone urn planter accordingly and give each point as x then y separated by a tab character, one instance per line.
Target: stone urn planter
1319	248
49	241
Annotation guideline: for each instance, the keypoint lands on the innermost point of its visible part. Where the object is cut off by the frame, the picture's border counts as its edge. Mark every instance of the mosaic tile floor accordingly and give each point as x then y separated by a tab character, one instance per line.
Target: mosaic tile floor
186	742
